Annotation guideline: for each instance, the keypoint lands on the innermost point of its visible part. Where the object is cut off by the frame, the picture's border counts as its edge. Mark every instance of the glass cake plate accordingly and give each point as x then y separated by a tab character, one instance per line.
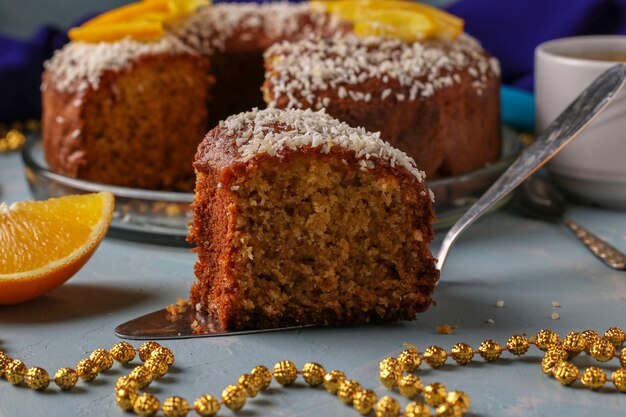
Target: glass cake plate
162	217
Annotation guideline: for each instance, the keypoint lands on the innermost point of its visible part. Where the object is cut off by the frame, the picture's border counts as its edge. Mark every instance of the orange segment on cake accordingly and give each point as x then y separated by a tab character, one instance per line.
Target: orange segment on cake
301	219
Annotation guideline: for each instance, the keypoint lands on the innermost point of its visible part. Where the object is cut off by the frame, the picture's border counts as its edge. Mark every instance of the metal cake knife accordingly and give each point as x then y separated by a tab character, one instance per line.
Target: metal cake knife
163	325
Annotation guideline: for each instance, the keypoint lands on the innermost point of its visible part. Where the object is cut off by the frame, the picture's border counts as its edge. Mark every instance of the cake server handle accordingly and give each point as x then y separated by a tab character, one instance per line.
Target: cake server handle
576	117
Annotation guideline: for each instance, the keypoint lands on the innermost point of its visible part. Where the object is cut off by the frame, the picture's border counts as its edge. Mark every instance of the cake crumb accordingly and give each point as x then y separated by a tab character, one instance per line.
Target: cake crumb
556	304
178	308
555	316
447	329
500	303
490	321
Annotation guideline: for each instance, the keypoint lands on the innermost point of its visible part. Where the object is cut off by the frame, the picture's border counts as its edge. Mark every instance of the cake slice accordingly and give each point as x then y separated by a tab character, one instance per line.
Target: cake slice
301	219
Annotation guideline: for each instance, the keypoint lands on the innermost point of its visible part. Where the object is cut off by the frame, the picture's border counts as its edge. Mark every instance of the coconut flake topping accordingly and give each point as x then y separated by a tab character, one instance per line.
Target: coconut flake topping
272	130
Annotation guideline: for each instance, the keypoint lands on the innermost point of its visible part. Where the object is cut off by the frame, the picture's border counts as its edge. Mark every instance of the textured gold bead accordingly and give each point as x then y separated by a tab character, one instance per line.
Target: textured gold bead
615	335
574	343
387	407
603	350
410	386
347	389
619	379
37	379
126	383
448	410
593	378
123	352
591	337
234	397
390	372
285	372
459	398
489	350
364	401
163	354
142	375
546	339
410	359
518	345
622	357
551	359
156	366
417	409
145	350
66	378
102	358
332	380
86	370
175	407
390	363
250	383
146	405
5	360
264	375
565	372
435	394
126	398
206	405
462	353
435	356
313	373
15	372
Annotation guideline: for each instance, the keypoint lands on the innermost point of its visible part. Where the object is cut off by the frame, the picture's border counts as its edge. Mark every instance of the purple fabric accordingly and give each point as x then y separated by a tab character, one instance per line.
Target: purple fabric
510	30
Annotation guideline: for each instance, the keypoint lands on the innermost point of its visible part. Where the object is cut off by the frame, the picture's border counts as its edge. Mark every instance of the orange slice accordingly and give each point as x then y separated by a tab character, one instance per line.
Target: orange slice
394	23
44	243
130	12
145	31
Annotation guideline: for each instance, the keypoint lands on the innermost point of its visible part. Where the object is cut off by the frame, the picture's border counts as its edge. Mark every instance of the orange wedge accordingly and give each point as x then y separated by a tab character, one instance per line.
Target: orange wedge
130	12
145	31
44	243
394	23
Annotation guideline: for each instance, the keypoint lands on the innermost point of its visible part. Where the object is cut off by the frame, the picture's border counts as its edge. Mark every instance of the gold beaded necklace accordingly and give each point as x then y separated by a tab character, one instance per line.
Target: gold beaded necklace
395	373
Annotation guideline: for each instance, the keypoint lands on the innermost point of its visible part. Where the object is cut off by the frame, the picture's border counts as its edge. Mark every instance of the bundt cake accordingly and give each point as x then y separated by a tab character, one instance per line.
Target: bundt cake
301	219
131	112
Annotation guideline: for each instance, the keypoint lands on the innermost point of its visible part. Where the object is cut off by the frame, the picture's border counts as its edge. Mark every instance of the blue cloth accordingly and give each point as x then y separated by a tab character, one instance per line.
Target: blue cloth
510	30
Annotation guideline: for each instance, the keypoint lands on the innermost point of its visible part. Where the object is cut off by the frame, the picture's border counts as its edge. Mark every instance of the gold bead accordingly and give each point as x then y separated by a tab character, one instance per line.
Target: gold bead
448	410
15	372
489	350
593	378
163	354
102	359
207	405
364	401
546	339
264	375
86	370
615	335
462	353
390	363
552	357
435	394
313	373
410	359
518	344
156	366
574	343
387	407
123	352
66	378
591	337
565	372
459	398
417	409
347	389
126	398
5	360
603	350
37	379
435	356
234	397
410	386
126	383
251	384
146	405
622	357
619	379
332	380
285	372
146	349
142	375
390	372
175	407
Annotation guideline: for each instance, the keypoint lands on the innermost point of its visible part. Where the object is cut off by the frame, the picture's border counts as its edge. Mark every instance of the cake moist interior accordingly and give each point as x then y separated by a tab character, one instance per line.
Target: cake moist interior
319	240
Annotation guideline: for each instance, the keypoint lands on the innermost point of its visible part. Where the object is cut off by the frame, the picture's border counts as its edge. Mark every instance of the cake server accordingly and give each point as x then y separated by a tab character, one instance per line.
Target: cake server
576	117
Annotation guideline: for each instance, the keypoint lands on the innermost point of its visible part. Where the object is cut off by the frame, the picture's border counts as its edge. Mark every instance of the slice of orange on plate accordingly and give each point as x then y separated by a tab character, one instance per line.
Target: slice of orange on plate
44	243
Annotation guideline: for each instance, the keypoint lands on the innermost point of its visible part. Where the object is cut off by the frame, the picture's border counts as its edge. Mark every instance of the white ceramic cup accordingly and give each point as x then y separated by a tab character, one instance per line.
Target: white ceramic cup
593	166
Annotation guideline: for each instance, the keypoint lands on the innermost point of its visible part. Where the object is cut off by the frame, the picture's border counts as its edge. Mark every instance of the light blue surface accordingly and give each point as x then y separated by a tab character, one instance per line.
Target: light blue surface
525	263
